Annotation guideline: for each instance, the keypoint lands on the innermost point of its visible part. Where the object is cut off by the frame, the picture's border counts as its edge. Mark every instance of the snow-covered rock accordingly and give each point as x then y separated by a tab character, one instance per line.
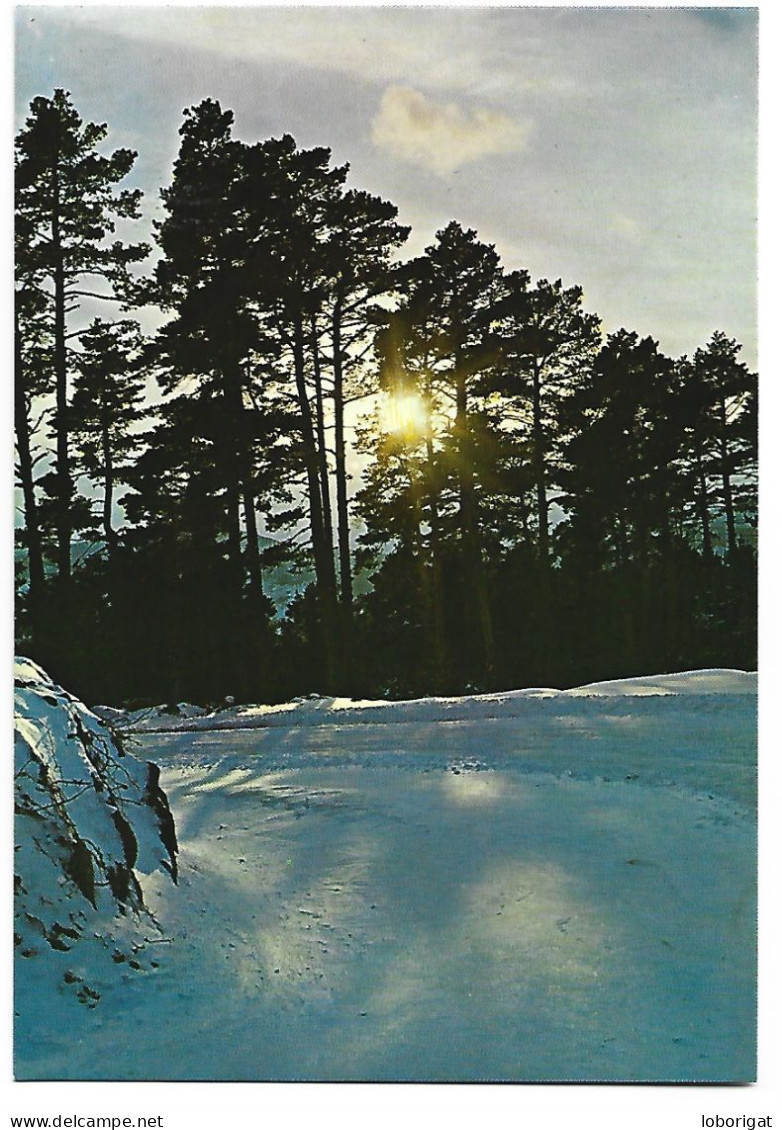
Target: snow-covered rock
91	821
150	716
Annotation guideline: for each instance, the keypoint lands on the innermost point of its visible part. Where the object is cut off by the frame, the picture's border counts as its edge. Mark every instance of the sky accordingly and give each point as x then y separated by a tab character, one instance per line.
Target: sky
612	148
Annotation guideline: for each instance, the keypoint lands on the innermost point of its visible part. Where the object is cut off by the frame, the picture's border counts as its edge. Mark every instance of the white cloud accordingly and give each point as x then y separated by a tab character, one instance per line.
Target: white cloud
440	136
467	48
627	226
368	44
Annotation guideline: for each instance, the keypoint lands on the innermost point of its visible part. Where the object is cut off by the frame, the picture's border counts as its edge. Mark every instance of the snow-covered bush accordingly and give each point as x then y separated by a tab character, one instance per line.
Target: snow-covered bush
90	822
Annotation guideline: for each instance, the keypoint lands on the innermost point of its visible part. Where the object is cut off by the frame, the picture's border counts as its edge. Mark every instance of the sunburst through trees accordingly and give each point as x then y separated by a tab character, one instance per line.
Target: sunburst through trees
522	500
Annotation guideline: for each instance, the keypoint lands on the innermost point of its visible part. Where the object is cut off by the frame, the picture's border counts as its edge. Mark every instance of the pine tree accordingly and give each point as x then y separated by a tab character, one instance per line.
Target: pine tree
625	494
109	390
321	260
199	280
548	343
67	203
401	501
363	235
434	349
725	427
626	438
291	274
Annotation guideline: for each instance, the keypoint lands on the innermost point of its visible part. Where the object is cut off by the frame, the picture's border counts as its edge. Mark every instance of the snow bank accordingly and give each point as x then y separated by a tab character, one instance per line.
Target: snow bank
317	710
90	822
710	681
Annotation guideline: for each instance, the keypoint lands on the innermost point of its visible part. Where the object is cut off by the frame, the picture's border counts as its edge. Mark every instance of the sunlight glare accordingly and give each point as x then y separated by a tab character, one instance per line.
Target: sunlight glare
404	414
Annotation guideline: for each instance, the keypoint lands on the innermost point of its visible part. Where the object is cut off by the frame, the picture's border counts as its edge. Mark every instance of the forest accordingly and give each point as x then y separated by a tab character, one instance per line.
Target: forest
472	484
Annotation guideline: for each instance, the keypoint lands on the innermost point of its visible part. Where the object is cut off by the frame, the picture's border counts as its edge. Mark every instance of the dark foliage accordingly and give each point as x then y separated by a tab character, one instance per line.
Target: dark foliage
537	505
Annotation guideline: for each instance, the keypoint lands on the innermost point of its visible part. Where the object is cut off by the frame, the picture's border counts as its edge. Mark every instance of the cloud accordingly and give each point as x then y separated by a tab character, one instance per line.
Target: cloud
368	44
627	226
440	136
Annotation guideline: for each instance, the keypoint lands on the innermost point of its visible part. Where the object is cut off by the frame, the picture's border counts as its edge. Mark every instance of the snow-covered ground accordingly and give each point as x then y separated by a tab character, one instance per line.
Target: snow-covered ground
536	885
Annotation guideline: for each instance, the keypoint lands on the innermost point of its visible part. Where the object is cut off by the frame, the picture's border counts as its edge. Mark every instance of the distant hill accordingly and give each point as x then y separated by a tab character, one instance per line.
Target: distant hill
282	582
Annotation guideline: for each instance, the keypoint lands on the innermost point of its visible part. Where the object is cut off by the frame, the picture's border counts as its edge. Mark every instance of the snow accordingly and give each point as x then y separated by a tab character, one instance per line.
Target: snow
709	681
535	885
89	819
311	709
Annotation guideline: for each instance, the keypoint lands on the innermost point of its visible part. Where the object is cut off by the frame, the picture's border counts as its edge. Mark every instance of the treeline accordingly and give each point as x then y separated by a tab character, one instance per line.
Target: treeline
538	505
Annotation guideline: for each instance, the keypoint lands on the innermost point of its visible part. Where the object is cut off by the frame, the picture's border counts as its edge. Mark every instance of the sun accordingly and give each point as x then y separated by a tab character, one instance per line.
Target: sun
405	414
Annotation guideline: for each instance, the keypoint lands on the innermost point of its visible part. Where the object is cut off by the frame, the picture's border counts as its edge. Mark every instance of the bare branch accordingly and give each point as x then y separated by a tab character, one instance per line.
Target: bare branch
94	294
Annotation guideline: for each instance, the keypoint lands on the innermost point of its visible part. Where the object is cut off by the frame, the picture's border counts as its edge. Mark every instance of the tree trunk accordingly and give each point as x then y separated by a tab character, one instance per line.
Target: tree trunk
460	424
231	382
539	466
324	564
703	511
474	571
252	551
343	522
727	489
261	629
108	477
671	583
325	579
24	449
64	481
320	431
439	658
622	538
247	491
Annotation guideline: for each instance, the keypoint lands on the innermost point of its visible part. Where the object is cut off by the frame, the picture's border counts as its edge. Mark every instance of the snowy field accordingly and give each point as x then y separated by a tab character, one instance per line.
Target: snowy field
531	886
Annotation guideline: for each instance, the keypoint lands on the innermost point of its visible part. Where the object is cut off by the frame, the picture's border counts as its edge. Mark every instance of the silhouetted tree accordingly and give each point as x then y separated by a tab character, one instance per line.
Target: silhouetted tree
438	345
67	203
725	426
106	404
548	345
